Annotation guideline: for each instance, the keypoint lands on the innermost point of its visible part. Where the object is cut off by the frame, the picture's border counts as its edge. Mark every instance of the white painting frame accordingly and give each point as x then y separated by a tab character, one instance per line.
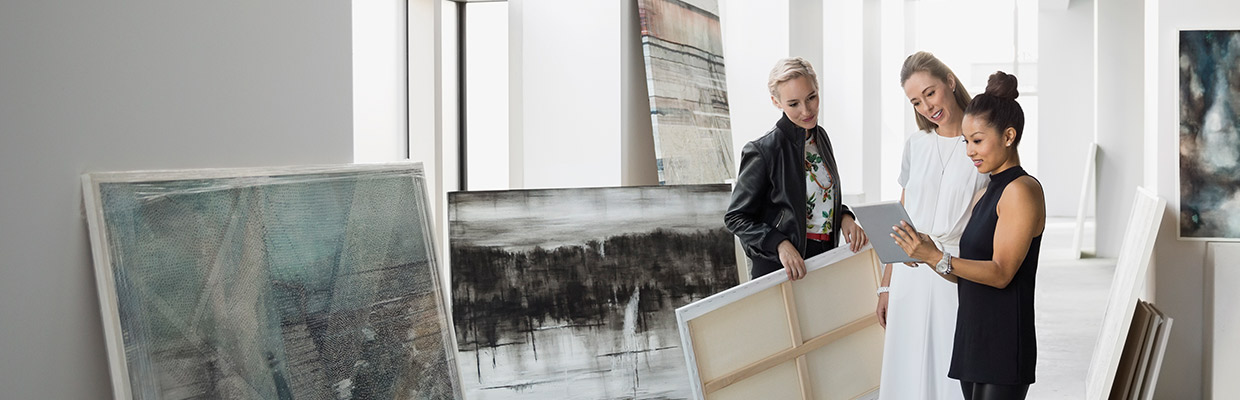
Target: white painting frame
103	259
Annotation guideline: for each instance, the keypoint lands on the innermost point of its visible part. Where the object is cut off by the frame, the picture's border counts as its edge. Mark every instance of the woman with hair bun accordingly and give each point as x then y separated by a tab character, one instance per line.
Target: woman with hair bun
995	350
917	308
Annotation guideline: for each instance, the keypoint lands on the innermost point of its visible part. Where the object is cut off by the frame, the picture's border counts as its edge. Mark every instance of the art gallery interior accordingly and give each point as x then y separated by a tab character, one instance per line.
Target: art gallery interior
555	96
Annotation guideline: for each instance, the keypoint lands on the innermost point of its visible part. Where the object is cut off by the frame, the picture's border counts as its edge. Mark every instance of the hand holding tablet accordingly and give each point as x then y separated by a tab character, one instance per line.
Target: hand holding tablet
877	217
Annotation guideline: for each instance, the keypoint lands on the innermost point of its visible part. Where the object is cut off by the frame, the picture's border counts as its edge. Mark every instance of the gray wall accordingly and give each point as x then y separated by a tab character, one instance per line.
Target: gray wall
1066	102
139	84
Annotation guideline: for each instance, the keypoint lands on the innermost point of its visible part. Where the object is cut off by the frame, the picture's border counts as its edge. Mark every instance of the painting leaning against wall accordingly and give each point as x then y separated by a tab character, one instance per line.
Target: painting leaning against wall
1209	145
571	293
280	283
683	47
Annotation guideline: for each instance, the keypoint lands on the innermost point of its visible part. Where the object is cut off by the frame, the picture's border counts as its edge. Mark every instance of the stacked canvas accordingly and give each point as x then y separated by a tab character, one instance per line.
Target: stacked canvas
1130	272
1142	355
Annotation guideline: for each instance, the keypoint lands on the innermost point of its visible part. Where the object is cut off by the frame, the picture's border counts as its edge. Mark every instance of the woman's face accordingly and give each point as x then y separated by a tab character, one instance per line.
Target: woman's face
988	147
799	101
931	97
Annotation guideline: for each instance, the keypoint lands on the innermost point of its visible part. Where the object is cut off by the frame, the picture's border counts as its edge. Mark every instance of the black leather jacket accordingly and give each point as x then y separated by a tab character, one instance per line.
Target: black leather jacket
768	201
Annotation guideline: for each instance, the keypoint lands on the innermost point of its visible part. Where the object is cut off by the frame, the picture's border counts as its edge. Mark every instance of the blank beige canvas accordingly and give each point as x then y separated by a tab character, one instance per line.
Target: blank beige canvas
740	333
849	366
780	382
823	304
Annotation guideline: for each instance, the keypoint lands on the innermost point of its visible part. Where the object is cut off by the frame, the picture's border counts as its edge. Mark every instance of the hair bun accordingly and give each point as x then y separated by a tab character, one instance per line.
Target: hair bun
1002	85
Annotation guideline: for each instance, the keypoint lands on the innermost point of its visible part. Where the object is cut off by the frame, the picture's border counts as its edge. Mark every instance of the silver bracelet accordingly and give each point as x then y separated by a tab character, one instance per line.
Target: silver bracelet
883	289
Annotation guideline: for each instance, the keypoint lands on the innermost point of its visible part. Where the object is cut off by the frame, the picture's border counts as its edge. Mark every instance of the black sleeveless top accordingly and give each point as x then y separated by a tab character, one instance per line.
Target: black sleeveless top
995	340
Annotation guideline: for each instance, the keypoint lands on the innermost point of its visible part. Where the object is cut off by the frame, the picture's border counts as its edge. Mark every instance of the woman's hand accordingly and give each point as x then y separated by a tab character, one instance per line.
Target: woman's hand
917	245
853	234
882	309
794	265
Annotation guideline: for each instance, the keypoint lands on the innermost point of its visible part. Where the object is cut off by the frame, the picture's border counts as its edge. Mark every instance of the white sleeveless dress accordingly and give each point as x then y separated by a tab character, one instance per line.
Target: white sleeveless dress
939	183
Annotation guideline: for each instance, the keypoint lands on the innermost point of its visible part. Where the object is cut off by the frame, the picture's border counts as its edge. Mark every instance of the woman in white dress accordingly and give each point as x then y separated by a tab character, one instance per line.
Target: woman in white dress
916	305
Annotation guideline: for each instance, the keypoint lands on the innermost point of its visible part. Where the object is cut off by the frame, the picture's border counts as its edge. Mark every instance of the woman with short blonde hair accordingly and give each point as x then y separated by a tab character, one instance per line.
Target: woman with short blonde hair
787	203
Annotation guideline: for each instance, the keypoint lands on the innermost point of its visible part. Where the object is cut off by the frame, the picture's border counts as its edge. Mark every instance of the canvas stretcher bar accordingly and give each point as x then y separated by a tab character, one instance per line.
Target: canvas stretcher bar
812	338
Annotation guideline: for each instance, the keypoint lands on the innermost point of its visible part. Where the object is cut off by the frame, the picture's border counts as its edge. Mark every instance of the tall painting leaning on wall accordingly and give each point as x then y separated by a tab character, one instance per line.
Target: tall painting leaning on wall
683	47
571	293
1209	135
275	283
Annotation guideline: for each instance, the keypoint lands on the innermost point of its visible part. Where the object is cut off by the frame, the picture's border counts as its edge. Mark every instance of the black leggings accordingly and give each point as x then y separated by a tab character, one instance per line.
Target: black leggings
993	391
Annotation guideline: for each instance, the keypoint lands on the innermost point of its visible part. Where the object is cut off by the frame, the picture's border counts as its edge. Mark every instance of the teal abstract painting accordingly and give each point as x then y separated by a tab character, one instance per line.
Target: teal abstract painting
282	283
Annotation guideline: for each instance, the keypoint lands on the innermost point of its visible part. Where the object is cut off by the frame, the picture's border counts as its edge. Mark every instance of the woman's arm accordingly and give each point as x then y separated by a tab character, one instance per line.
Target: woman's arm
744	214
1022	216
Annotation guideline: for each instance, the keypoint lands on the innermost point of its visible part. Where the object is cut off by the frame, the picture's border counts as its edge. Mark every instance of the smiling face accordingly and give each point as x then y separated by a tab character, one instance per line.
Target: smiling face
932	98
799	101
990	149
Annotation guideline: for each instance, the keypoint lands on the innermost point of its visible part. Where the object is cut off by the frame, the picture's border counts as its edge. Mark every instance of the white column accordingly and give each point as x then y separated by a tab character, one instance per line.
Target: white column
1119	79
424	106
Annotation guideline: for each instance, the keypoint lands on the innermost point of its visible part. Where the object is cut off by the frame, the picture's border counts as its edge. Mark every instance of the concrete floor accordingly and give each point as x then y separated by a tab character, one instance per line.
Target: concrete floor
1070	300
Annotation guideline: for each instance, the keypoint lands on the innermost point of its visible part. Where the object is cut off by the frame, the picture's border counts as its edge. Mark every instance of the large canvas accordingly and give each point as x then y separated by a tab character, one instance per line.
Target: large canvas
1209	135
281	283
771	338
569	293
683	47
1130	273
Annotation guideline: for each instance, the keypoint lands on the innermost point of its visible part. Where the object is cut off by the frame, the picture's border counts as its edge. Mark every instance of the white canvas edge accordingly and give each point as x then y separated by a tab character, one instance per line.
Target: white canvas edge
701	307
223	173
718	300
1178	122
106	286
1146	352
443	297
102	257
1096	388
1078	234
1160	349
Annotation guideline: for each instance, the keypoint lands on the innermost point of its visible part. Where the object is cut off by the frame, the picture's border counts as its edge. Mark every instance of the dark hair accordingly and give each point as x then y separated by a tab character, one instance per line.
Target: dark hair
998	105
927	62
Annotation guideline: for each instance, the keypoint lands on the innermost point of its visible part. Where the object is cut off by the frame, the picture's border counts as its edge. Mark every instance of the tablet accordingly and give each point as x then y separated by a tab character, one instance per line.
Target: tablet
877	220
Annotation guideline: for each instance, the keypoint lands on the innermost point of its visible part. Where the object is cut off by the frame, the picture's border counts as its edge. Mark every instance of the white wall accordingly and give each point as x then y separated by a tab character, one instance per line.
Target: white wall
140	84
379	79
1119	129
1066	99
567	93
1180	264
750	48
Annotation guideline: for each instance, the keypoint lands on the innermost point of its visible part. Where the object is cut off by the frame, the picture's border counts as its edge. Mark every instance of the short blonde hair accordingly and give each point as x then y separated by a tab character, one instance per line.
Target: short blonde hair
788	69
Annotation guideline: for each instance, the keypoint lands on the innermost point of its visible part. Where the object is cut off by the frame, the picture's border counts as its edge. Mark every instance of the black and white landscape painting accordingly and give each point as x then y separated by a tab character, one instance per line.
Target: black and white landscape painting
571	293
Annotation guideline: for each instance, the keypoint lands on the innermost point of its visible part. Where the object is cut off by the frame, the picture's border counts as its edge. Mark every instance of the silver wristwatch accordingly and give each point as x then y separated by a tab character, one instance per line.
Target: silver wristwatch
944	266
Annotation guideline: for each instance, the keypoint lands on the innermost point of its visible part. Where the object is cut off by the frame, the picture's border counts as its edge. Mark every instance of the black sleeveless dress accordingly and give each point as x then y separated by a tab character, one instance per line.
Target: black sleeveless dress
995	340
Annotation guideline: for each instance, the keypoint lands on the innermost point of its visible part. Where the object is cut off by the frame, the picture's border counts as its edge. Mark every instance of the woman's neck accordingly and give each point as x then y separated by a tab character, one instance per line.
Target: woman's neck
1012	162
950	128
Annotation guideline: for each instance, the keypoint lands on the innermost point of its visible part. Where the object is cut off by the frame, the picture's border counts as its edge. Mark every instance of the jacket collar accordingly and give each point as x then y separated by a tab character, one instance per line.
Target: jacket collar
791	130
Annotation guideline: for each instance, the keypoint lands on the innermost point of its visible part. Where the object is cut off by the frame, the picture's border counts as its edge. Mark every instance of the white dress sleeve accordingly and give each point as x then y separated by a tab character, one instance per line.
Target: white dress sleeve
904	163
